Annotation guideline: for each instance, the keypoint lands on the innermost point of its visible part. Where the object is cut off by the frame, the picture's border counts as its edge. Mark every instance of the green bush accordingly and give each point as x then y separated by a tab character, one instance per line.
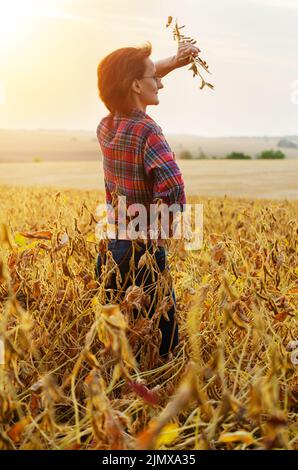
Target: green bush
269	154
185	155
237	156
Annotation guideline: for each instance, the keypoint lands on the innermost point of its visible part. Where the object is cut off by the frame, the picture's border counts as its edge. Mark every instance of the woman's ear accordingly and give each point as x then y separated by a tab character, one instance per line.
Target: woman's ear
135	86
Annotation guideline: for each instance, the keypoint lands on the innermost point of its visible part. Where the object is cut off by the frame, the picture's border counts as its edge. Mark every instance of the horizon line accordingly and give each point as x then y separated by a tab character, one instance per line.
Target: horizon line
88	131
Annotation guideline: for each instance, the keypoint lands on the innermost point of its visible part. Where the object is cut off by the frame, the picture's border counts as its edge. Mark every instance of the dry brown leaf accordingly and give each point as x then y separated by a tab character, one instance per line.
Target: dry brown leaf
17	429
42	235
237	436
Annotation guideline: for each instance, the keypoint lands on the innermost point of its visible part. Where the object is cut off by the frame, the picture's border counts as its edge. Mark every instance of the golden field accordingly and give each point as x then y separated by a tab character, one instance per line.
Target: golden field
70	378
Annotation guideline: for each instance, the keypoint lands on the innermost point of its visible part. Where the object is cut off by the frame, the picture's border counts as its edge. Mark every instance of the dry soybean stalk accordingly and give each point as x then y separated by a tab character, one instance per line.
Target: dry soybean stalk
196	61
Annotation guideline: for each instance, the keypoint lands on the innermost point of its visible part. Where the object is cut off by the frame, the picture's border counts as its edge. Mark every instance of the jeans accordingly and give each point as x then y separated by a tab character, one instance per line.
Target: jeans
122	252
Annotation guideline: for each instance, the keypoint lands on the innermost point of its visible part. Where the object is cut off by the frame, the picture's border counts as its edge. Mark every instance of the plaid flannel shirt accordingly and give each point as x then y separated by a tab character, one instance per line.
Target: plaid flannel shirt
138	162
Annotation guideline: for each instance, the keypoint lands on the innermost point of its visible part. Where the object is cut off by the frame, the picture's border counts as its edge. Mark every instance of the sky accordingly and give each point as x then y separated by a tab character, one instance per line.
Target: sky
50	49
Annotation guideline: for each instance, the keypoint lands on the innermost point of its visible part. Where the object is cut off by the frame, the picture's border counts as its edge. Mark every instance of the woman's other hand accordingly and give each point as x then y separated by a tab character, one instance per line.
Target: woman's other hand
184	53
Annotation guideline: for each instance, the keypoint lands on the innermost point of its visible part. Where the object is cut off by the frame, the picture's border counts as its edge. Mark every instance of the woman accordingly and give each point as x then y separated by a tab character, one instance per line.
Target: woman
139	164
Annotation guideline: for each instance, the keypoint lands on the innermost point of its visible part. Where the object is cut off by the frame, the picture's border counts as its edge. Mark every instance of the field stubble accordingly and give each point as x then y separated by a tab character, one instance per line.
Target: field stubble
71	379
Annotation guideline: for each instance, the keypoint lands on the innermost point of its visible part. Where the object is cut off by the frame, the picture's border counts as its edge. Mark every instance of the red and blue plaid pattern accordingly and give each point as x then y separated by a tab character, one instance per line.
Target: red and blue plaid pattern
138	162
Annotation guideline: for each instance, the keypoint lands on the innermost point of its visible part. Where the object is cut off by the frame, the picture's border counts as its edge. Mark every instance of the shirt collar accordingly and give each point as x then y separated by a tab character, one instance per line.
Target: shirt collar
138	112
135	112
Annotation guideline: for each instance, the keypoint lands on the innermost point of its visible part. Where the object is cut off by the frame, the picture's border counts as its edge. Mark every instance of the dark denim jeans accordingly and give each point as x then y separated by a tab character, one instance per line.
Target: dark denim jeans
122	252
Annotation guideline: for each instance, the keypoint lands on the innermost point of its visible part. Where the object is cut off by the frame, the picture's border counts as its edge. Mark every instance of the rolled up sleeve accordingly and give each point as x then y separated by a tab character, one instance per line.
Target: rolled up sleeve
161	167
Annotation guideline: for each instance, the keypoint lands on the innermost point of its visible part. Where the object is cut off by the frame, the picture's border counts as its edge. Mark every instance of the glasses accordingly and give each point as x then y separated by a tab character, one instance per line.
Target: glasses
156	77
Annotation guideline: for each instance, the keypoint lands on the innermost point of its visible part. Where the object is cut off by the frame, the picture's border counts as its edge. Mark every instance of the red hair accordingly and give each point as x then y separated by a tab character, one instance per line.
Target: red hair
116	73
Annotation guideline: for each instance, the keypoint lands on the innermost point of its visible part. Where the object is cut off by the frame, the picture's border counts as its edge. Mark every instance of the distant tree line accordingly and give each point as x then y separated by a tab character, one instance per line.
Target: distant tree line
265	155
287	143
269	154
237	156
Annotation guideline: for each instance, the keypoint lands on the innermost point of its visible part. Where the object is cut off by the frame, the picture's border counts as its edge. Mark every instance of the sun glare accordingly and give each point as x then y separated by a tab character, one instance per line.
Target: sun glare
16	16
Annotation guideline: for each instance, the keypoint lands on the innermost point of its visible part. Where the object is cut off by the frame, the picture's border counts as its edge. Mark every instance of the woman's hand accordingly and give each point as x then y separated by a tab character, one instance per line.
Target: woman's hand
185	50
184	53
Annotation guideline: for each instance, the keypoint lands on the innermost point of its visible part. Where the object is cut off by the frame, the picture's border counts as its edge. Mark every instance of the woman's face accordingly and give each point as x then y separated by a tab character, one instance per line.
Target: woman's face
147	87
